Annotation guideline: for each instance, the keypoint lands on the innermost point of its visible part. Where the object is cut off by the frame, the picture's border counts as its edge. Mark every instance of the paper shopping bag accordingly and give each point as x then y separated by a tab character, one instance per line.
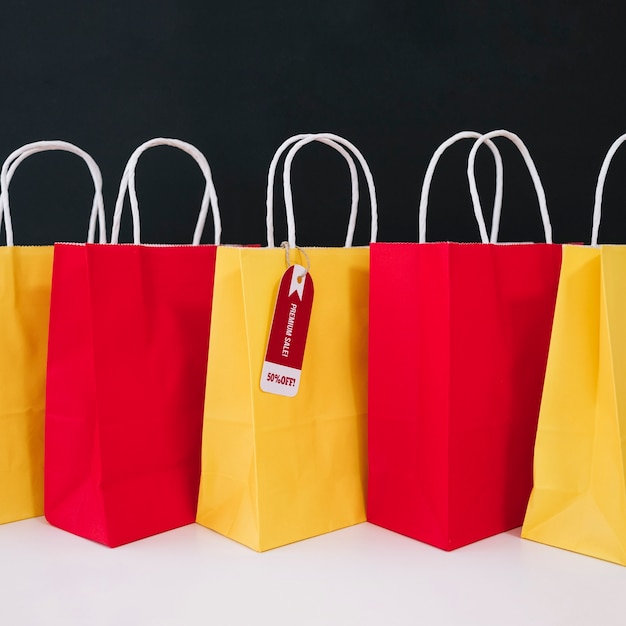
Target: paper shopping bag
129	331
281	468
25	277
578	500
458	345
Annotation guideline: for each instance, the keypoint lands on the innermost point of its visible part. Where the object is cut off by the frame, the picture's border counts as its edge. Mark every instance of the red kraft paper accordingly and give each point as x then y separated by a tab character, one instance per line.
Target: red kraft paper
127	358
458	344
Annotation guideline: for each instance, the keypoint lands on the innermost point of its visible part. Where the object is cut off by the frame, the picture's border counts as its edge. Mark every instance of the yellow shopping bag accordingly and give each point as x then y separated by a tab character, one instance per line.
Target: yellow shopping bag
279	469
578	500
25	279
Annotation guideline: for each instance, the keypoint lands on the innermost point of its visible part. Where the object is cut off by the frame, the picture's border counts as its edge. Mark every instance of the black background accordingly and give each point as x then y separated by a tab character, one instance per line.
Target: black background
236	78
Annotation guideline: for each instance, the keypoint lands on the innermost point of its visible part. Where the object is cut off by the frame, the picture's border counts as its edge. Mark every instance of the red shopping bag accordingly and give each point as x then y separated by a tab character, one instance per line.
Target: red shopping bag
459	338
128	342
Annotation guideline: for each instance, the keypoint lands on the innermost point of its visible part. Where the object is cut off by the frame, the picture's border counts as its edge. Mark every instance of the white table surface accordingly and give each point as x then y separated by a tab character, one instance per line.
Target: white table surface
360	575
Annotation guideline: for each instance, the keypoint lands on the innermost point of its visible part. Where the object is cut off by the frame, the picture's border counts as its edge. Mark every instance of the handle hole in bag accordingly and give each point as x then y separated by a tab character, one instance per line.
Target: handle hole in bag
454	219
321	188
51	195
170	188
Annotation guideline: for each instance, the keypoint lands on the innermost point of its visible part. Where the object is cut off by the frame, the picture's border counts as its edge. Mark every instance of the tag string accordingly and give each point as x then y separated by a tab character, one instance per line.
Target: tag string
287	247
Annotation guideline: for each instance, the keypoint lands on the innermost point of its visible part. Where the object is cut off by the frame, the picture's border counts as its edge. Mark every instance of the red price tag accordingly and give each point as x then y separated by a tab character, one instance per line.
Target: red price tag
285	348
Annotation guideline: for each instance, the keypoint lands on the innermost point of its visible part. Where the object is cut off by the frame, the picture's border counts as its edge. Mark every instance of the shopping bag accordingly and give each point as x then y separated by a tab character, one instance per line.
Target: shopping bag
278	469
578	500
129	332
458	341
25	277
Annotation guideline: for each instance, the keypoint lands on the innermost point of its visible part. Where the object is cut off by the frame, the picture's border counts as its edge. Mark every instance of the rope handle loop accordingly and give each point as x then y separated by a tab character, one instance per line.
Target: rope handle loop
530	164
291	225
16	157
430	170
128	183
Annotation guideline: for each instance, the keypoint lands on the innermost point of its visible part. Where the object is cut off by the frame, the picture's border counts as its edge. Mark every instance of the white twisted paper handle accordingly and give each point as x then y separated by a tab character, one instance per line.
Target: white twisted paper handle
541	196
430	170
597	205
354	178
128	182
12	162
291	225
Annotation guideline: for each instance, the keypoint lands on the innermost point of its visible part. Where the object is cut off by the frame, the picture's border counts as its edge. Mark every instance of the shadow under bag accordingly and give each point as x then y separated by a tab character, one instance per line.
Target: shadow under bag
459	337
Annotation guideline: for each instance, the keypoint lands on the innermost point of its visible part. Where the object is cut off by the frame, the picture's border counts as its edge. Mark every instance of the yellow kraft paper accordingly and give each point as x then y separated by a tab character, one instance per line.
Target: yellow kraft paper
276	469
579	495
25	279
